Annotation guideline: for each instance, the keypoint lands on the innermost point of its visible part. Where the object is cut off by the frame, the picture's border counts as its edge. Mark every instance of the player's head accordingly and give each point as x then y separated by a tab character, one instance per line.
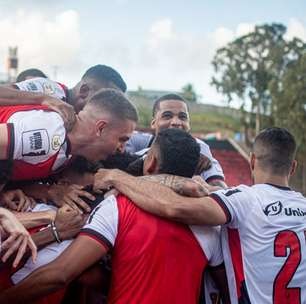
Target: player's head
29	74
104	125
170	111
274	153
95	78
173	151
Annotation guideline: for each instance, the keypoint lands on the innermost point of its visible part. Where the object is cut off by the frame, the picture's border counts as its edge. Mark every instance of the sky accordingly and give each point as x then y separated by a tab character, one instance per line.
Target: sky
159	45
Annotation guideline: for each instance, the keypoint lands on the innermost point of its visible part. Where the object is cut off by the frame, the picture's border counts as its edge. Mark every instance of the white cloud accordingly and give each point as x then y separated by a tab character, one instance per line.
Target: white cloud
296	29
42	41
170	58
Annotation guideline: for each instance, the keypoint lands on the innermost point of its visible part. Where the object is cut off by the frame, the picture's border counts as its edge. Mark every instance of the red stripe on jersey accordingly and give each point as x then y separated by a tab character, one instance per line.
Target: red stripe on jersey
65	88
236	255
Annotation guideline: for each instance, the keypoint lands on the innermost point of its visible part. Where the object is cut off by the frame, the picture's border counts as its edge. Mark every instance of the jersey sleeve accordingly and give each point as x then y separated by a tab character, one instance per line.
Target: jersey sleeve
102	224
215	172
42	85
36	135
138	142
210	242
236	203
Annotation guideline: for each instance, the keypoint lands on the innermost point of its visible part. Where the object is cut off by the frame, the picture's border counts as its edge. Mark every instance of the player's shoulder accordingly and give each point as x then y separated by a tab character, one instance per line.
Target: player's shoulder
138	141
43	85
236	190
141	135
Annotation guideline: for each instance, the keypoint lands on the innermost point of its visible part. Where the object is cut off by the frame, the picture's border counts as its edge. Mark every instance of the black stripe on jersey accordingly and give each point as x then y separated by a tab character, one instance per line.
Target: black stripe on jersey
214	177
244	295
11	141
279	187
96	235
218	199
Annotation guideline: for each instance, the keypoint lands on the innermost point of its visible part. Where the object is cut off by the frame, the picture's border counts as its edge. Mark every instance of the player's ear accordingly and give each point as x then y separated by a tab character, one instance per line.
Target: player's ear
293	168
252	161
150	164
100	126
153	123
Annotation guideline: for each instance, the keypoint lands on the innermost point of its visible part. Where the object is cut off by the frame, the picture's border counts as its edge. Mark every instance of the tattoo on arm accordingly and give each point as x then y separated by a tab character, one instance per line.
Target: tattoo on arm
176	183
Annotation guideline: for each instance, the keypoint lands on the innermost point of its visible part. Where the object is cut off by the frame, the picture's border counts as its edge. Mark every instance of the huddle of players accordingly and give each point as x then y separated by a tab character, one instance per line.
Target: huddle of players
153	259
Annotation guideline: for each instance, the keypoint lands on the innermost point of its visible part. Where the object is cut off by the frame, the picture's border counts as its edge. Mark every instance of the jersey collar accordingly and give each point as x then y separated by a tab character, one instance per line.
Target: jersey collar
279	187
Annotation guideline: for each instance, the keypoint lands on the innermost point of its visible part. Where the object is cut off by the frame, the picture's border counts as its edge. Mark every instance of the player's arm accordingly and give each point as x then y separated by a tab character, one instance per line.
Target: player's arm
81	254
161	200
35	219
67	222
9	96
4	141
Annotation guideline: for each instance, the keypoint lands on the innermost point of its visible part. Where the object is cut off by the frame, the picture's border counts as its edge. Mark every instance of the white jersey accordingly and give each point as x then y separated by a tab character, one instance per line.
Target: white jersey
140	141
44	85
263	243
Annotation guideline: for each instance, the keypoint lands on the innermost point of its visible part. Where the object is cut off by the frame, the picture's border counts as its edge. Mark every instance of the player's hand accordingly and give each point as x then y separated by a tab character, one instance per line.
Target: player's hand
190	187
16	200
204	164
18	238
63	108
103	179
68	222
70	195
209	188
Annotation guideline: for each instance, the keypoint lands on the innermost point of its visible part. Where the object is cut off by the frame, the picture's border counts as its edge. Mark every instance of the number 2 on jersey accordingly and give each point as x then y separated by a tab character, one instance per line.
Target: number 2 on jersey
282	294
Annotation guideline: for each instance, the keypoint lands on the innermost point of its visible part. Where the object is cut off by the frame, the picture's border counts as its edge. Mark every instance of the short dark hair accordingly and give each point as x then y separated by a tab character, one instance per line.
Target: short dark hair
275	149
171	96
178	152
30	73
115	102
106	75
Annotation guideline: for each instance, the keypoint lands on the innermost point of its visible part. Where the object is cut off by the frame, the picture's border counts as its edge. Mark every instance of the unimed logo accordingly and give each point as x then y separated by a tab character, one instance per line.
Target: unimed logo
277	208
273	209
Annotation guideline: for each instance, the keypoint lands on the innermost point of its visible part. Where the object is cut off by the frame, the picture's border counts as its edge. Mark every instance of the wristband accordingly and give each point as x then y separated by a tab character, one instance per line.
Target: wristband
55	233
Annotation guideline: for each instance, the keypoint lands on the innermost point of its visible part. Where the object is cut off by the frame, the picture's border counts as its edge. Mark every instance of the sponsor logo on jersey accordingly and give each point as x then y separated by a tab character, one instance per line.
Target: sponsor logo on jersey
56	142
35	142
277	208
273	209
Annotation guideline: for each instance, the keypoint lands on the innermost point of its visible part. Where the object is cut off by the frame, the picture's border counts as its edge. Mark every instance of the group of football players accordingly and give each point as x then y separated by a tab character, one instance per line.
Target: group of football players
93	211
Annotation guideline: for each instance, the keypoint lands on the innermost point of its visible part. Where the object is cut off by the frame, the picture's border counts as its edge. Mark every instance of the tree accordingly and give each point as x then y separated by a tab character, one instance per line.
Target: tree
189	93
288	96
245	67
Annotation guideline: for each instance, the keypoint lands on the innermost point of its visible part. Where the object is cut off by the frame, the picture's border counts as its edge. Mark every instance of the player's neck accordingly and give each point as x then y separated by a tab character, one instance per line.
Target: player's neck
71	96
266	178
77	137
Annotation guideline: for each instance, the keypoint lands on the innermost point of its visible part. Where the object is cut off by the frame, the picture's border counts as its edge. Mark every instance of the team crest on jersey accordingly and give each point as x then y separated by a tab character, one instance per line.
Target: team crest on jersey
48	88
35	142
56	142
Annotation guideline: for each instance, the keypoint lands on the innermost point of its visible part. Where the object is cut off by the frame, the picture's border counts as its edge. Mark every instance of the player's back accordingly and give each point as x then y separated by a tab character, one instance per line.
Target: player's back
266	243
154	261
